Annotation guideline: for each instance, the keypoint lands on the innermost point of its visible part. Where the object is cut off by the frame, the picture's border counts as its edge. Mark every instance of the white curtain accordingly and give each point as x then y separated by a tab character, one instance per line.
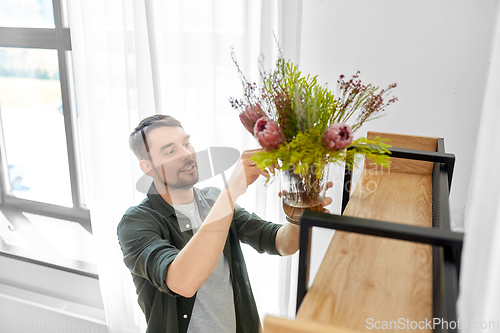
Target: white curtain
479	299
134	58
113	88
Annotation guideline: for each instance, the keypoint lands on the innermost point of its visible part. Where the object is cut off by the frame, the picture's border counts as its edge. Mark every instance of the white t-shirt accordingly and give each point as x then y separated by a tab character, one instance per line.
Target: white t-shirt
213	310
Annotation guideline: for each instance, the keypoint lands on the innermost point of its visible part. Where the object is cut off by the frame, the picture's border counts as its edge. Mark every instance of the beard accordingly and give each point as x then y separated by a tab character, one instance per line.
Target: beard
182	181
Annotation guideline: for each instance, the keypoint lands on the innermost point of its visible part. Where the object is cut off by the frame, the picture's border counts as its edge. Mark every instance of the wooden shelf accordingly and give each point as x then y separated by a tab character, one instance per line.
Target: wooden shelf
283	325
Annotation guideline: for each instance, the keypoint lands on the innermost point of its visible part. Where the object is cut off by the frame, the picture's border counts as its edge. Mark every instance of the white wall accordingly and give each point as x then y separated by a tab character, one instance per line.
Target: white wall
437	51
479	297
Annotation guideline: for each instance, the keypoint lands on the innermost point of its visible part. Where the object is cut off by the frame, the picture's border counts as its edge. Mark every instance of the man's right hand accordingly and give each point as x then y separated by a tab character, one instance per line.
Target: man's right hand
244	174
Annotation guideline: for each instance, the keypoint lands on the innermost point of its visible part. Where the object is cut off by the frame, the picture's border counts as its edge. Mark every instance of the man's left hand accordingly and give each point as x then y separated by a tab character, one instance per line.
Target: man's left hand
326	201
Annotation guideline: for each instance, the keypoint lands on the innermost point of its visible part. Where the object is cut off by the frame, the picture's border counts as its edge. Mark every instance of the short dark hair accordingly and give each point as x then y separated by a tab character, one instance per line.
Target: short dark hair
136	141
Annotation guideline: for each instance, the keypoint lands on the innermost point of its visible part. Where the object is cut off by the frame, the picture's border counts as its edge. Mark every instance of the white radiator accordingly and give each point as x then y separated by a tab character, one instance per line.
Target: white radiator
23	311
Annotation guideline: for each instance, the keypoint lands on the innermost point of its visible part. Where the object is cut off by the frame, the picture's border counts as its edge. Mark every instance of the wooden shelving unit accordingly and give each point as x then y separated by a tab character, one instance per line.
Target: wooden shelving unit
393	253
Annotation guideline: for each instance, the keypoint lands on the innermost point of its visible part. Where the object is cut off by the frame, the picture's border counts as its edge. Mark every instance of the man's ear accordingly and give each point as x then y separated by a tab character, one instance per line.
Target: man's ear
146	167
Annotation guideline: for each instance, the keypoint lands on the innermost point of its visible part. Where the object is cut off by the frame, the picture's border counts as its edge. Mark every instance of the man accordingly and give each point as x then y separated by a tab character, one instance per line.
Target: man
181	243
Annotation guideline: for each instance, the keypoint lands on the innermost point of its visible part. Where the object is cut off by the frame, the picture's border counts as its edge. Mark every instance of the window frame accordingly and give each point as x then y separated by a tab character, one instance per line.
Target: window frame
57	38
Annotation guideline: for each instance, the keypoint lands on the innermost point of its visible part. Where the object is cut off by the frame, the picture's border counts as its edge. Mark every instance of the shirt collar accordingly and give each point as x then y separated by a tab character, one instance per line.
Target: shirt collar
160	205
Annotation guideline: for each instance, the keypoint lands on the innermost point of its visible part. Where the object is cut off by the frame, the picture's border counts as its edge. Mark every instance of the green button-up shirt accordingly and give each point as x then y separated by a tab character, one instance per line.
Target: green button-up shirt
151	235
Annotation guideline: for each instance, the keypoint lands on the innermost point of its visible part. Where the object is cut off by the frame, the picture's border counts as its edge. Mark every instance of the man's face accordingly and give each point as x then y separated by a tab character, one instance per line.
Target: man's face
173	157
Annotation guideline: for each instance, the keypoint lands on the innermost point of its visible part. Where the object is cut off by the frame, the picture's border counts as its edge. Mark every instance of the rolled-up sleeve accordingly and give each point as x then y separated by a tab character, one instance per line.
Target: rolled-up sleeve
256	232
146	252
252	230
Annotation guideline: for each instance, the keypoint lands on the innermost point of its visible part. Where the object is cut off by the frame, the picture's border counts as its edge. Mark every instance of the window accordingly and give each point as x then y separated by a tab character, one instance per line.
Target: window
40	169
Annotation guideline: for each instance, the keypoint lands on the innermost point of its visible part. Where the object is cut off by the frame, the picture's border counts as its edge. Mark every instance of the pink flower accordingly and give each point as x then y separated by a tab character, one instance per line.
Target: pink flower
250	115
337	136
268	133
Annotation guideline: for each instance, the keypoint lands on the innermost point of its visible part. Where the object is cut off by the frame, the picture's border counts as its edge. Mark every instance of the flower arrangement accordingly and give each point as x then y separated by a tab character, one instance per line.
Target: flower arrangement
303	127
301	124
